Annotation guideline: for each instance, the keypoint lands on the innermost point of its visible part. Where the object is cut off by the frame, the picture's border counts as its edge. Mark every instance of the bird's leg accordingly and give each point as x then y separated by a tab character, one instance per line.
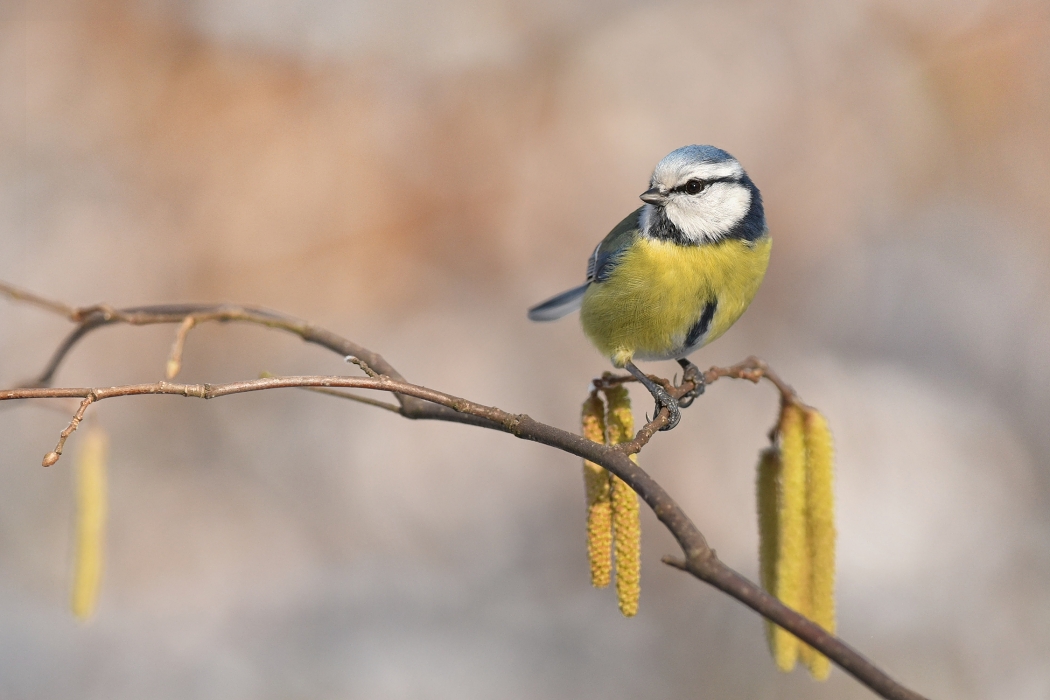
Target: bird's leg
663	399
693	374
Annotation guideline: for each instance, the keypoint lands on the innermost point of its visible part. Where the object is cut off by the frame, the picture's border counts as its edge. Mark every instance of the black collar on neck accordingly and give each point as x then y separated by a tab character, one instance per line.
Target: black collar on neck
663	229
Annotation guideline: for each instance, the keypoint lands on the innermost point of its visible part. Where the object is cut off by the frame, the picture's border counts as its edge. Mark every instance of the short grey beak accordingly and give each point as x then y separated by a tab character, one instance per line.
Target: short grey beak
653	195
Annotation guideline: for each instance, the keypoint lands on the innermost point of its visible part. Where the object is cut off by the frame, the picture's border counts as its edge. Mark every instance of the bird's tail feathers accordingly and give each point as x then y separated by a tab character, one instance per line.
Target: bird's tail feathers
556	307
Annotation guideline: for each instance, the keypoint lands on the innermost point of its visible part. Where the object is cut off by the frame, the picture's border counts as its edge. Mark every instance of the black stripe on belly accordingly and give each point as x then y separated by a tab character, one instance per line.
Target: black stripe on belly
702	325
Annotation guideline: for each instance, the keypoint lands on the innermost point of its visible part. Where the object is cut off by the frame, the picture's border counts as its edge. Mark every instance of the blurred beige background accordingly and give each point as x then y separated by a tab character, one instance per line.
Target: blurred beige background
414	175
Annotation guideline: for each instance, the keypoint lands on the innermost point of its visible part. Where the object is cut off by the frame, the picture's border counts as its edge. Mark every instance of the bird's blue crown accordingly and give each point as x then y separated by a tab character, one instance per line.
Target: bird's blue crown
687	155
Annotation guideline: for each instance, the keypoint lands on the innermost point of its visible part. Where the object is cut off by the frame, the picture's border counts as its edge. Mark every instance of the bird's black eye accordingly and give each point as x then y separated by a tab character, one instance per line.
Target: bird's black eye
694	186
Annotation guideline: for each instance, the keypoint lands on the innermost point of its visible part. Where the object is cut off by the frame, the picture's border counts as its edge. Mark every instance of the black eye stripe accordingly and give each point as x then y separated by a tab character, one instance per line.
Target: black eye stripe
705	183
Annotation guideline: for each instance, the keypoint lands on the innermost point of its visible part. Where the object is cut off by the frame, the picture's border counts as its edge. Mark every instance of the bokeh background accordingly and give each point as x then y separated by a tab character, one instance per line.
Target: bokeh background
415	174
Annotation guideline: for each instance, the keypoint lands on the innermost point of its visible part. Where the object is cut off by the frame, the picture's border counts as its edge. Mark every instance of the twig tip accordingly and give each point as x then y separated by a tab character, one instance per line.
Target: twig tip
363	365
49	459
675	562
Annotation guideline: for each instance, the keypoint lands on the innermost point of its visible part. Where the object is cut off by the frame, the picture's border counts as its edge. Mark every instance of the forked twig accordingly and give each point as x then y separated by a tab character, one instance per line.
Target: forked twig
420	402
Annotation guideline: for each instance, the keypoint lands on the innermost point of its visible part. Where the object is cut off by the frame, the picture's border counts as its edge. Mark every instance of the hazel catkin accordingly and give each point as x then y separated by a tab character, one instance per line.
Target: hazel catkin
791	586
90	470
627	528
767	497
820	530
599	504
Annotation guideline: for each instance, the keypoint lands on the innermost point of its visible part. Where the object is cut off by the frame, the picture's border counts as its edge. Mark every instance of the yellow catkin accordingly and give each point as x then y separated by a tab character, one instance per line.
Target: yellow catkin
766	486
627	524
619	419
627	527
90	522
820	522
599	506
792	550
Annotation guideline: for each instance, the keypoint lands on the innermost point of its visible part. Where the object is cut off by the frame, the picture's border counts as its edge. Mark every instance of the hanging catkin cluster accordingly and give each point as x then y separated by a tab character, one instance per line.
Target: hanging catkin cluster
796	518
613	517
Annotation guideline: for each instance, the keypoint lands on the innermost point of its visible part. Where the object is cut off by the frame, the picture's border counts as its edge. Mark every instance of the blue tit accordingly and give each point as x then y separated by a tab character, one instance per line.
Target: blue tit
676	273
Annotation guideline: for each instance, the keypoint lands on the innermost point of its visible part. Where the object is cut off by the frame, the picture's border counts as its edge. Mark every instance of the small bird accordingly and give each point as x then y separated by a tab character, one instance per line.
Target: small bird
677	272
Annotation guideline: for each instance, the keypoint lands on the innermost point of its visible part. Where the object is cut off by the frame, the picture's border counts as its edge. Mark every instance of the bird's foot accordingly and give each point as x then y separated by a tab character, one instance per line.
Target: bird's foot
692	374
665	400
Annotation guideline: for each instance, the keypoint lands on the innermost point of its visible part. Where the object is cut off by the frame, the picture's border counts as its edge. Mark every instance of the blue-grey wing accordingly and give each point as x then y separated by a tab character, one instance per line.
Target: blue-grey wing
607	255
556	307
600	265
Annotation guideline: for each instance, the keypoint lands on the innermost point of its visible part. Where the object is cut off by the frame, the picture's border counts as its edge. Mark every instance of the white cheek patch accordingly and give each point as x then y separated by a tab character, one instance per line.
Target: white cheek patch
711	215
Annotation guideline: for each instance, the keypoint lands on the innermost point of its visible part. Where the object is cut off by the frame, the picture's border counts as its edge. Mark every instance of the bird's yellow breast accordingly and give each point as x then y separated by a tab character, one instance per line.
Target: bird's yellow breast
659	290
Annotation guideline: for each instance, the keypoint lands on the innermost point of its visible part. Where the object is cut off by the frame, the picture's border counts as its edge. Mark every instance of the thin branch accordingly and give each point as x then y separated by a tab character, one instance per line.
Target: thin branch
421	402
393	407
751	369
700	560
754	369
92	318
175	357
363	365
13	292
51	457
